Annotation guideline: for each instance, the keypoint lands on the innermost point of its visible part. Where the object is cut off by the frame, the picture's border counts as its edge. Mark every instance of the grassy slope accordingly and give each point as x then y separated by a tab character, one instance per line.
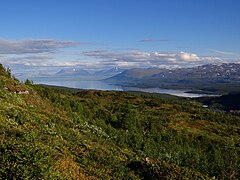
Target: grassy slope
60	134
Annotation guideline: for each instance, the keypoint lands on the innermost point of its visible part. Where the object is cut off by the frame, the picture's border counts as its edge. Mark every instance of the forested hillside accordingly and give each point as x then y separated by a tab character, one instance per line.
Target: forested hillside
56	133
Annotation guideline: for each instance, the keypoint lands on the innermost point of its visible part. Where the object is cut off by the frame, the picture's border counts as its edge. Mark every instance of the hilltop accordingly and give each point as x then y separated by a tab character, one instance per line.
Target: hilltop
57	133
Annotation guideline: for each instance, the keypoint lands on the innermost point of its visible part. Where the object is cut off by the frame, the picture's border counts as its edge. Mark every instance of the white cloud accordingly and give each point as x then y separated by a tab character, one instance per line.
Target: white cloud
38	52
51	53
183	56
35	46
141	58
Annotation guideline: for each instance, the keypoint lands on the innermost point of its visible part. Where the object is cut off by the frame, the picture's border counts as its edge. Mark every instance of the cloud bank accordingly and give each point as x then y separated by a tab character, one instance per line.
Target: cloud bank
56	53
146	59
35	46
38	52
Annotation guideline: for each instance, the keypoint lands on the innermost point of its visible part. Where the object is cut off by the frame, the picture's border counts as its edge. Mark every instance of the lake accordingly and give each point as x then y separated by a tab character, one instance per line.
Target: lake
100	85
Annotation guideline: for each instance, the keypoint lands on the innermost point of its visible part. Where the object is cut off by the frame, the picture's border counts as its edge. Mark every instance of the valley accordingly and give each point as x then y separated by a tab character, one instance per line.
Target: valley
64	133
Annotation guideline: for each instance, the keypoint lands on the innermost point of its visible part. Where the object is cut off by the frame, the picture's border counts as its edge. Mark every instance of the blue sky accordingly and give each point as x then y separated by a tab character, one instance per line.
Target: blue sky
129	33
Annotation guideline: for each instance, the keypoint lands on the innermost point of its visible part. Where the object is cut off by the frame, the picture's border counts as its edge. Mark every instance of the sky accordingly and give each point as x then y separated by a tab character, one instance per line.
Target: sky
101	34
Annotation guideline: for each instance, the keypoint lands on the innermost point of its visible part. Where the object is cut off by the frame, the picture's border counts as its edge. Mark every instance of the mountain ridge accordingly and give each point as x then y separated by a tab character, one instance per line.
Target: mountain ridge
199	77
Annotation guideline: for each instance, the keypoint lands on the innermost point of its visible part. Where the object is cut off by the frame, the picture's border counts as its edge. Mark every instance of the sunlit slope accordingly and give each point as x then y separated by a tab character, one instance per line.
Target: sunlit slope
48	133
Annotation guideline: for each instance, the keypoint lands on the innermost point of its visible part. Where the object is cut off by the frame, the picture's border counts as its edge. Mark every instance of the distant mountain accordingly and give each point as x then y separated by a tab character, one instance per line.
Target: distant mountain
73	72
109	72
222	72
134	74
68	73
208	77
32	75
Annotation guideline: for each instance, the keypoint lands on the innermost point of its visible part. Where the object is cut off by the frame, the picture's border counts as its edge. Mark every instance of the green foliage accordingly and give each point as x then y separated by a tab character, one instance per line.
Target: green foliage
22	161
28	82
5	71
176	131
53	133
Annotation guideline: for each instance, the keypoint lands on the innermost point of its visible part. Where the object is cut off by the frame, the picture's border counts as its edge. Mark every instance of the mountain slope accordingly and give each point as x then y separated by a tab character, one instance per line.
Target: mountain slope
51	133
217	78
223	72
109	72
134	74
73	72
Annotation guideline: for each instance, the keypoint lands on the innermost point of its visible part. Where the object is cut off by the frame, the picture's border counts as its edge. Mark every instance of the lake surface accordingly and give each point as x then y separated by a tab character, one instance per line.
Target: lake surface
100	85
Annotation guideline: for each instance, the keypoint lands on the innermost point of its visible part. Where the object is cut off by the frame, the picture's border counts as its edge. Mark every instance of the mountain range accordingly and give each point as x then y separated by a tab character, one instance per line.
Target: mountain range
70	73
209	78
73	72
206	77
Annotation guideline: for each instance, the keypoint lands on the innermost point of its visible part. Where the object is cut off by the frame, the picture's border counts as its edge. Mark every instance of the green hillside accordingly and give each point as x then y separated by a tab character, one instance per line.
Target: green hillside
56	133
